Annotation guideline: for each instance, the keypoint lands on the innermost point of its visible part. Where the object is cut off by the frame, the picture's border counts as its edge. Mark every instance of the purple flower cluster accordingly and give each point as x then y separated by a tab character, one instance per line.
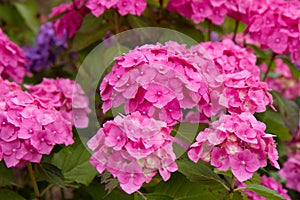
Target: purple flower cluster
12	60
47	46
29	126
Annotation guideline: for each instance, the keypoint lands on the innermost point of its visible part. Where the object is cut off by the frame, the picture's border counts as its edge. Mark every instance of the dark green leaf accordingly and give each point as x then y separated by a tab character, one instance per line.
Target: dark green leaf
154	197
264	192
197	172
82	40
288	110
295	71
50	173
178	187
28	10
74	163
259	52
112	52
275	124
9	195
138	22
97	192
6	176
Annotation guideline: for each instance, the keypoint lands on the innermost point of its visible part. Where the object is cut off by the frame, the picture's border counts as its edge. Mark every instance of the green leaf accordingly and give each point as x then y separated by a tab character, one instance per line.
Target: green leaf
264	192
155	197
197	172
6	176
112	52
28	10
97	192
295	71
11	195
180	188
50	173
288	110
275	124
259	52
74	163
138	22
82	40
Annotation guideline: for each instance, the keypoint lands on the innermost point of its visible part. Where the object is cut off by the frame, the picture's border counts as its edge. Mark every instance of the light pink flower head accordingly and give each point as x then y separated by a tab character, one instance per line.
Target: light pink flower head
29	127
235	141
133	149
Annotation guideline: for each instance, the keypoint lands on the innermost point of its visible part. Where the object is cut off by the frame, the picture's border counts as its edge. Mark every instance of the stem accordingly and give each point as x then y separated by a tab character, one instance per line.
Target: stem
269	66
116	21
135	196
33	180
161	6
141	194
230	197
46	190
235	30
209	30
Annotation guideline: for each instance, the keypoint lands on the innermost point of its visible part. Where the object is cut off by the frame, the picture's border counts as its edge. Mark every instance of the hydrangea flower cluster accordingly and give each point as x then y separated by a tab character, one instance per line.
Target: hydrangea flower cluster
198	11
124	7
12	60
72	18
48	46
243	90
133	149
268	182
66	96
276	27
159	81
283	82
290	172
235	141
29	127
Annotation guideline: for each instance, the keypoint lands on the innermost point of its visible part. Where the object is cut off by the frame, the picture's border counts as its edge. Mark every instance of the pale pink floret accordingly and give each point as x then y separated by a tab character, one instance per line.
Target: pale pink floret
133	149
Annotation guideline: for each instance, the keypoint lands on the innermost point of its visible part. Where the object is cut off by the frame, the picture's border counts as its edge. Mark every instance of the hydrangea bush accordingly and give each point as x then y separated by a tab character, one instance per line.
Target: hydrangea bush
216	119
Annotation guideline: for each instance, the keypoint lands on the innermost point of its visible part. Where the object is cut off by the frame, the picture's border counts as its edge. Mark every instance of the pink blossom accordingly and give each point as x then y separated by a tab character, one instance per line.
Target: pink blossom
133	149
243	165
29	128
71	19
66	96
12	60
235	141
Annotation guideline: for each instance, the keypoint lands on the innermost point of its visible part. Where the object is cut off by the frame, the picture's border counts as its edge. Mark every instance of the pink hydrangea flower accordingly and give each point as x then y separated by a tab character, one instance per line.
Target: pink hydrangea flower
290	172
284	83
133	149
242	89
235	141
12	60
28	127
270	183
160	80
71	19
124	7
66	96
